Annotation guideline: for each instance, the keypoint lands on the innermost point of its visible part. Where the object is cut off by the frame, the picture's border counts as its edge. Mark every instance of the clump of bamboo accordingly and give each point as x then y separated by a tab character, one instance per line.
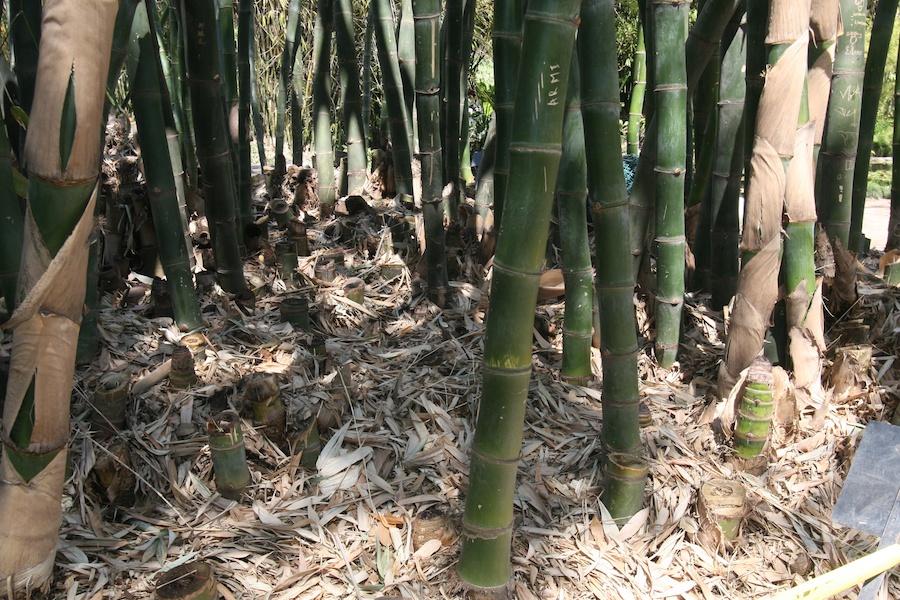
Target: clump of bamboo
229	456
351	98
754	413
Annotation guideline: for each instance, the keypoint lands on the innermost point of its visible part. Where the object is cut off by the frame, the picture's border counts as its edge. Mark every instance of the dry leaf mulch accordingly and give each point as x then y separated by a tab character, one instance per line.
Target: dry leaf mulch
396	395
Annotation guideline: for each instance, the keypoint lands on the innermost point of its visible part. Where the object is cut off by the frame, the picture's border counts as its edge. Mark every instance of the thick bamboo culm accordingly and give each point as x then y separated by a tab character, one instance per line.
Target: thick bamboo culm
549	34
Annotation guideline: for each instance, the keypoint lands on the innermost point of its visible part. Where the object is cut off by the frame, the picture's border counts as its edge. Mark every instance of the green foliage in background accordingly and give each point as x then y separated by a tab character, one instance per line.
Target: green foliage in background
884	125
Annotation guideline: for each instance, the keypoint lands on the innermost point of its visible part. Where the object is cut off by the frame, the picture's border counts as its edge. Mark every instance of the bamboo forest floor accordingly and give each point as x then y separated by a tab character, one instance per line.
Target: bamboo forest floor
395	394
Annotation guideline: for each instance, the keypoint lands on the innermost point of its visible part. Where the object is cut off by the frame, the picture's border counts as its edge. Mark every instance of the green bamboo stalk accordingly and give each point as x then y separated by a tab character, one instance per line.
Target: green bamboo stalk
213	139
147	100
670	89
893	241
455	66
406	58
638	88
549	33
322	106
368	33
725	182
62	154
625	476
351	98
11	226
824	24
179	59
873	80
755	410
426	14
298	95
706	123
608	202
507	41
837	158
287	64
228	57
245	184
254	106
571	190
398	119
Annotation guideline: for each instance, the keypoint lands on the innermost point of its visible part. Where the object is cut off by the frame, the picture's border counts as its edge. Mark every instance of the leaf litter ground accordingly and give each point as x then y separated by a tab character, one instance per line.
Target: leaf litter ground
396	395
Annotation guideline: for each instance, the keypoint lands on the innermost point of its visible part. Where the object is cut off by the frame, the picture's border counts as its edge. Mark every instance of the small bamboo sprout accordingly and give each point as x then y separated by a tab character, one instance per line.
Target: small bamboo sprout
755	410
355	290
109	404
297	233
190	581
889	266
721	507
266	407
326	271
229	456
307	443
182	374
286	257
625	477
281	212
295	311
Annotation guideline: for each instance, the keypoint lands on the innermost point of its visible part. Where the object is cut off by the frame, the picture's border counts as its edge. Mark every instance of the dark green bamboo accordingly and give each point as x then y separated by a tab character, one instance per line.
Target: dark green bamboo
723	214
837	157
297	98
670	89
147	101
571	190
229	455
11	226
244	185
179	59
455	66
25	37
260	133
638	88
507	40
228	57
608	201
426	14
755	410
213	139
549	33
368	33
893	241
351	97
287	64
706	123
873	80
322	105
392	87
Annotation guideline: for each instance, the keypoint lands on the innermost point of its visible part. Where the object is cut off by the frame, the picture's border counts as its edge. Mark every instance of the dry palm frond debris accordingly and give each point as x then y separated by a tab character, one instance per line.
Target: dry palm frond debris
394	383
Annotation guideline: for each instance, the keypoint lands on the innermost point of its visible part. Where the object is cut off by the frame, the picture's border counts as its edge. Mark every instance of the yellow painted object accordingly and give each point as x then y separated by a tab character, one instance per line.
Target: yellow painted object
842	578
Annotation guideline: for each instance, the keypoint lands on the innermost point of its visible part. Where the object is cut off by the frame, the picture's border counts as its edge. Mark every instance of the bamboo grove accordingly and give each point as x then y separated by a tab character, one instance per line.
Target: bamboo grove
770	103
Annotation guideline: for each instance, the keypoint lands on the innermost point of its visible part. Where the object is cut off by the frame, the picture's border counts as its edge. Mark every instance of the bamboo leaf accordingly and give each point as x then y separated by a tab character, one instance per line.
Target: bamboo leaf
20	115
21	183
68	121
